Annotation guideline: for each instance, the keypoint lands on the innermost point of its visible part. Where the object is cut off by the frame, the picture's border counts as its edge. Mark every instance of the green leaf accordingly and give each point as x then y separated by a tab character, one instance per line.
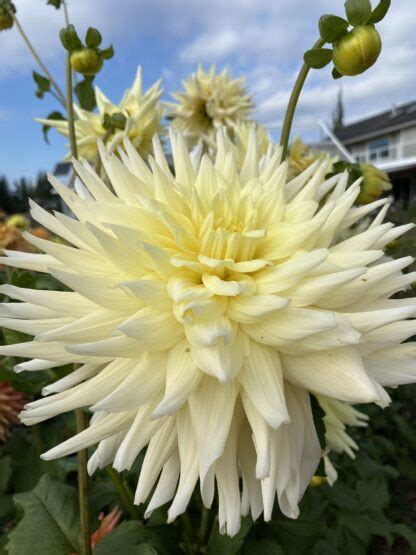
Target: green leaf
224	545
128	538
380	11
373	493
325	547
86	94
42	82
70	38
318	57
332	27
45	128
50	523
262	547
93	37
407	533
55	3
358	11
336	74
107	53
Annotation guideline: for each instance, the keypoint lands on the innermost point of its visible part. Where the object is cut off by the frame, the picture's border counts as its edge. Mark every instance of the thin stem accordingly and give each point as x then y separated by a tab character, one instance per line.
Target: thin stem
293	101
124	493
66	17
204	525
70	109
39	61
53	93
188	533
83	489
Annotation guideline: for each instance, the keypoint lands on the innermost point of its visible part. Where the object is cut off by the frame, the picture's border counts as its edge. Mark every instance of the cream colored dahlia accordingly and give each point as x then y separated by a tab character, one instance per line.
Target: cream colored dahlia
142	111
207	306
210	100
241	136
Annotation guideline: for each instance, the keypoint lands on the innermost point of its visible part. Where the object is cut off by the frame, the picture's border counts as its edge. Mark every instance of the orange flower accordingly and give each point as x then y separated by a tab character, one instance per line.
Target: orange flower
108	523
11	403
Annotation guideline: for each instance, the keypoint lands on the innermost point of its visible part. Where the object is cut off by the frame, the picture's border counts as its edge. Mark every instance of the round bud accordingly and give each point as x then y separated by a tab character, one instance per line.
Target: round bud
357	50
86	61
6	20
375	183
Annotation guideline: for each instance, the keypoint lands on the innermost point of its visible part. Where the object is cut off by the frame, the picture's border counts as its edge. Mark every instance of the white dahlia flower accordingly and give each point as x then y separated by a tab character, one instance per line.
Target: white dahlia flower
142	112
210	100
206	307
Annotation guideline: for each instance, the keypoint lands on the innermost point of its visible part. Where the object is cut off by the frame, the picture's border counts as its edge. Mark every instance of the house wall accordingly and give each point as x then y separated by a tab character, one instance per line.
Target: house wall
402	144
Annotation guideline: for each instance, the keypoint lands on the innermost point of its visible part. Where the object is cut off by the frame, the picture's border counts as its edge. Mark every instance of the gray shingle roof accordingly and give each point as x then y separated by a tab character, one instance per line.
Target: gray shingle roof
396	117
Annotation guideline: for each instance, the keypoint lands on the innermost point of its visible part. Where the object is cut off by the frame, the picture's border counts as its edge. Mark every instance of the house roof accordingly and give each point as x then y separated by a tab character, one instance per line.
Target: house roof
397	117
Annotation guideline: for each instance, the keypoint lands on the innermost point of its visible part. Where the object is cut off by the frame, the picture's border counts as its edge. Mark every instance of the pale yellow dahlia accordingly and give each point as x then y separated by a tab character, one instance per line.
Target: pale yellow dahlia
206	307
142	112
301	156
241	136
210	100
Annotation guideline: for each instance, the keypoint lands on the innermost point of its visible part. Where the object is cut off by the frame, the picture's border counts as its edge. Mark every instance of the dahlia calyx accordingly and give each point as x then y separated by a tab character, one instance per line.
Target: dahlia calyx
207	306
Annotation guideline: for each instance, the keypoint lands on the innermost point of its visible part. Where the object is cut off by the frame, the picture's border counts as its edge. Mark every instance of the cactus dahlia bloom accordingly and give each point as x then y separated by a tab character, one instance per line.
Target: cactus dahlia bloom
143	113
11	403
210	100
207	305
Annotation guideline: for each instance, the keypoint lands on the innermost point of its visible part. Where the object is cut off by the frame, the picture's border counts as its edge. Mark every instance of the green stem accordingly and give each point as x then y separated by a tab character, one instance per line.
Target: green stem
83	488
70	109
25	38
37	438
204	525
123	492
293	101
188	533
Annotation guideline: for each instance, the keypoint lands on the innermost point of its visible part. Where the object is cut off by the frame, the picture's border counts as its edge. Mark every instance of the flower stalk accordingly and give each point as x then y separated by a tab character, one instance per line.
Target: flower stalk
293	102
124	493
59	94
83	488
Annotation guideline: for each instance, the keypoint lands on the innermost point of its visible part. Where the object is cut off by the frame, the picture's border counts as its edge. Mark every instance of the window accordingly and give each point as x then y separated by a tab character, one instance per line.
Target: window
379	149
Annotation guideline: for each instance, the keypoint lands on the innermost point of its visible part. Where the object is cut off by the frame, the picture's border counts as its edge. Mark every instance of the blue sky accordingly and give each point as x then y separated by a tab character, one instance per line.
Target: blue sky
261	39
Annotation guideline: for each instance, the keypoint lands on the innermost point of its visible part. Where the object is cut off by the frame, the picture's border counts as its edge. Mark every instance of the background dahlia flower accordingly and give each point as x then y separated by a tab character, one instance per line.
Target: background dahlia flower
11	403
209	100
143	113
207	306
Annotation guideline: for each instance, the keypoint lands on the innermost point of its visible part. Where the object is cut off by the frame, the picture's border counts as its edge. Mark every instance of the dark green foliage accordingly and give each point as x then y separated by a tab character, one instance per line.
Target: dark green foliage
332	27
318	57
86	94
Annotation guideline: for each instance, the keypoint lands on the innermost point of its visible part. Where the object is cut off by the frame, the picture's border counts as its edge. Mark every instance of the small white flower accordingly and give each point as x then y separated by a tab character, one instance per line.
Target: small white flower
206	307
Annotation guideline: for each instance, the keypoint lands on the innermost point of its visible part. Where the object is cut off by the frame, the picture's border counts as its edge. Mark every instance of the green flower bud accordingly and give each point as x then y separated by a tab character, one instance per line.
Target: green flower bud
6	20
374	184
86	61
357	51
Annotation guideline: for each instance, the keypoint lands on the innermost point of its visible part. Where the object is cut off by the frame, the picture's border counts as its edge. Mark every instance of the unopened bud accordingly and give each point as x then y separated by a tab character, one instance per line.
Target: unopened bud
357	51
86	61
374	184
6	20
